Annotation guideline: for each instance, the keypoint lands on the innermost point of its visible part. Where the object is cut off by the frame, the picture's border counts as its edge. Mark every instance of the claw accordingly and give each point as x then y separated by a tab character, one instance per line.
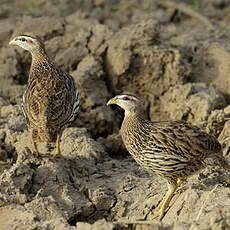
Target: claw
56	153
156	215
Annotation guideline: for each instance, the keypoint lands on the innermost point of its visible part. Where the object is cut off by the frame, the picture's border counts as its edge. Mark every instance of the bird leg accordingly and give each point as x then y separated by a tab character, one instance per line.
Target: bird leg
58	149
34	140
164	204
35	148
180	181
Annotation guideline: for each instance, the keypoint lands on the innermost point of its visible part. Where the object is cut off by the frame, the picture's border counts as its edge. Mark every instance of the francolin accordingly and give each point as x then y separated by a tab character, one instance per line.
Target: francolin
173	150
51	101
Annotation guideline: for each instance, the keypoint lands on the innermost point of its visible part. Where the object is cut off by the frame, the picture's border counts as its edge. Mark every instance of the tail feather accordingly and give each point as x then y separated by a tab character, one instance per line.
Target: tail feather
218	160
223	162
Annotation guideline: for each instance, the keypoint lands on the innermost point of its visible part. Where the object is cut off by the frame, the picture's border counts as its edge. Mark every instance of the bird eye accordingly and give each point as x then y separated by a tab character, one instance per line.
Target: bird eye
125	98
23	39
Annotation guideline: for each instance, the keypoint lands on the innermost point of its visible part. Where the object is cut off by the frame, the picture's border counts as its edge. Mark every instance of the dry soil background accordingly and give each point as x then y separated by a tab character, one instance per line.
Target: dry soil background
176	59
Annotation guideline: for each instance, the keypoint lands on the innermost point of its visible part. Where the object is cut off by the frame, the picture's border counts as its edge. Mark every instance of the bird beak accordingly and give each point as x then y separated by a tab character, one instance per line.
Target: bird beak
12	42
112	101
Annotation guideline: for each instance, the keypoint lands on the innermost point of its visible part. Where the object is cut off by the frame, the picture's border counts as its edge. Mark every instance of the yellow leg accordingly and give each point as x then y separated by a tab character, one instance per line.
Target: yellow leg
34	140
164	204
35	147
58	149
180	181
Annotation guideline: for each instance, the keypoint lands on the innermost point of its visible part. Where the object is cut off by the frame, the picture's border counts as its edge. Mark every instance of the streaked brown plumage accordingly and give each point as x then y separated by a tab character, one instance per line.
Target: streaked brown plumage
173	150
51	100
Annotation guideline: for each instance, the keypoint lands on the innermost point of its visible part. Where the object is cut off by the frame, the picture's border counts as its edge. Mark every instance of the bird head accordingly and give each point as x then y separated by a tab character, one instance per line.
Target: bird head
30	43
129	103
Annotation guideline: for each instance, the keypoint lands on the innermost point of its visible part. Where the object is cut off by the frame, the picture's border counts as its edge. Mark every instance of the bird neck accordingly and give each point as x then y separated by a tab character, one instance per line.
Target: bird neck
39	55
132	126
40	64
133	119
136	114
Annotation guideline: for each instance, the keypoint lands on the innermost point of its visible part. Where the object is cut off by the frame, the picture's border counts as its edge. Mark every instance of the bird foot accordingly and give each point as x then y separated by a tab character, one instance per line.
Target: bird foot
56	154
158	214
36	153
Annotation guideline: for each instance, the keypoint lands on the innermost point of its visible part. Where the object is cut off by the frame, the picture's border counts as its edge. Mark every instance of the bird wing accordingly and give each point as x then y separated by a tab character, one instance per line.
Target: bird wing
51	101
25	113
180	139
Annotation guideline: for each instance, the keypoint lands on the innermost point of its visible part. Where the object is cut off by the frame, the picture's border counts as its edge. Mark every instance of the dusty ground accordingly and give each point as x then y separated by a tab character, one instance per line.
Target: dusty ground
175	59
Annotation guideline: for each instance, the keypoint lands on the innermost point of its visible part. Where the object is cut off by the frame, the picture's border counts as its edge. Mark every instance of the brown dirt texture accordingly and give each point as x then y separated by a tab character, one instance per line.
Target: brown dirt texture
174	54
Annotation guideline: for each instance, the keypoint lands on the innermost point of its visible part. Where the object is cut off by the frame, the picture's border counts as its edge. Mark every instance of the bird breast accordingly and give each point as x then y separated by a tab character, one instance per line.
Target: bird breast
133	135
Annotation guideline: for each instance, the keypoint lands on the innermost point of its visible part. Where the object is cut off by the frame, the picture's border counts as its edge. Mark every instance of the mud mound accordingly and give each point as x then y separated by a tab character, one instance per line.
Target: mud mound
176	57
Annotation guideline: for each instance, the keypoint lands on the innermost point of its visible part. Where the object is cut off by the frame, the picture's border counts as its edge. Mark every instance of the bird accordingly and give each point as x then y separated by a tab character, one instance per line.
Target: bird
51	100
173	150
